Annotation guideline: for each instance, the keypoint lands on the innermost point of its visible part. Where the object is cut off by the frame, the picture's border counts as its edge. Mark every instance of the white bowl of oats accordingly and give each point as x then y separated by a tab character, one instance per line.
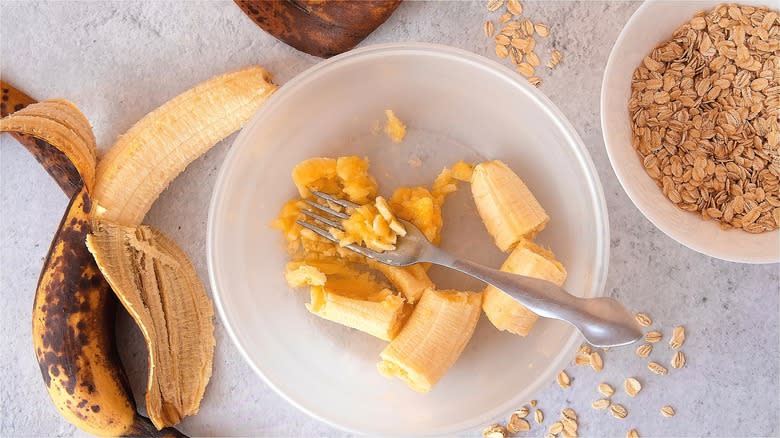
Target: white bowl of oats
689	110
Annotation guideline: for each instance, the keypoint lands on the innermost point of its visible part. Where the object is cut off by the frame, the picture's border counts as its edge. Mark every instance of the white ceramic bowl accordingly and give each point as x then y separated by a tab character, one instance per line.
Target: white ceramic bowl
457	105
652	23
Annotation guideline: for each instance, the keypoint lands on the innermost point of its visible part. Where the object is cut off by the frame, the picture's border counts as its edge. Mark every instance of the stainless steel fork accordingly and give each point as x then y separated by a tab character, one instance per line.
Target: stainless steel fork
604	322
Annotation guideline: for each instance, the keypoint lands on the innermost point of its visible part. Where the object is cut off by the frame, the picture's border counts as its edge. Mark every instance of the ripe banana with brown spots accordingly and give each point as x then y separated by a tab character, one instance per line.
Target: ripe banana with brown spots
73	314
74	309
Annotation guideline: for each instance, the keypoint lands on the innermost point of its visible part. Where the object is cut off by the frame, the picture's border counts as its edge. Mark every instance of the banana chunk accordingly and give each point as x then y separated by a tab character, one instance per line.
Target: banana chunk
506	205
526	259
438	330
382	316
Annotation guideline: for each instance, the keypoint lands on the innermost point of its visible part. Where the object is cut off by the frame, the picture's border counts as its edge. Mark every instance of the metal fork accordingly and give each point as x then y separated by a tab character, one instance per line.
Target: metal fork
604	322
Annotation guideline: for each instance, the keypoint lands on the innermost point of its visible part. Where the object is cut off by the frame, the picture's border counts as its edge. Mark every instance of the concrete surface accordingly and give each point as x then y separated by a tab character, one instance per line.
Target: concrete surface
119	60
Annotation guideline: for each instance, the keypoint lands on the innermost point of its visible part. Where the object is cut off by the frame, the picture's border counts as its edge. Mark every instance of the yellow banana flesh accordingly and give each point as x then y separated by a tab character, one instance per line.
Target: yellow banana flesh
411	281
345	295
506	205
143	161
438	330
526	259
382	315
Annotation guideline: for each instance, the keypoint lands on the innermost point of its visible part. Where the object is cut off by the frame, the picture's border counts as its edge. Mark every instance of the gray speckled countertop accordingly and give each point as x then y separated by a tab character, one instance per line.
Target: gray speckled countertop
119	60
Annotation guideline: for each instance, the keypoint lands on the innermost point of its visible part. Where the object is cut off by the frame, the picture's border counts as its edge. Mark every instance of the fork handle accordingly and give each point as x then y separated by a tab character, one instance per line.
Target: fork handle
603	321
539	296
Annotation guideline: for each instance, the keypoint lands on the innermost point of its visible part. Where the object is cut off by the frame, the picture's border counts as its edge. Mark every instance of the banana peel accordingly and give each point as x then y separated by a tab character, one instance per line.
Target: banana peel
319	28
53	161
74	336
74	308
158	285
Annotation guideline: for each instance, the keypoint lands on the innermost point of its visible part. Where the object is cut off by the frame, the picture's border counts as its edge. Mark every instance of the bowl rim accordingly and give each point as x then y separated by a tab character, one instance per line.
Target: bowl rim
631	191
501	72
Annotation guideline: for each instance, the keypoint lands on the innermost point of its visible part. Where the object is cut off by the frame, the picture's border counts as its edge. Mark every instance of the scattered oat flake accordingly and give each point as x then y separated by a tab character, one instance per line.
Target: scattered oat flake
505	18
644	350
618	411
643	320
584	348
556	428
539	416
514	7
489	29
667	411
563	379
602	403
678	337
535	81
517	424
569	424
555	58
632	386
541	29
502	51
632	434
653	336
532	403
525	69
494	431
678	360
595	361
569	413
522	412
533	59
606	390
569	434
657	368
582	359
502	40
494	5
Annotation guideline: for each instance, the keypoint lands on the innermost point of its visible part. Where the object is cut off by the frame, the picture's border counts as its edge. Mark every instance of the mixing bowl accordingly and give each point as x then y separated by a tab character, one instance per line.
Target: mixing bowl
457	105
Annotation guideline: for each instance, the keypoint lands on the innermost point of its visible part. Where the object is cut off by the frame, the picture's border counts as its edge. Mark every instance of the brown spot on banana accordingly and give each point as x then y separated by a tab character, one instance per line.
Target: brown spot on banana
74	309
55	162
61	125
73	334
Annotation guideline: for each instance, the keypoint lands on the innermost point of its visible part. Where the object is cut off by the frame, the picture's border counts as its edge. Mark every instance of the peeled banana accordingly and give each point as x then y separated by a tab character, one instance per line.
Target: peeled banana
506	205
73	314
526	259
143	161
438	330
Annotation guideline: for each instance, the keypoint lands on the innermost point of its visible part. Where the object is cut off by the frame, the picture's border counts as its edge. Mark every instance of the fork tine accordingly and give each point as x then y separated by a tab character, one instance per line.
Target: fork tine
335	200
322	219
324	233
326	209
